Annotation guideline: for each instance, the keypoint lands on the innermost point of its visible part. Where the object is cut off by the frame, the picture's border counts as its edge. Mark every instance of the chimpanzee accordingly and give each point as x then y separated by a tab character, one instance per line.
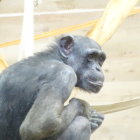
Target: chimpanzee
33	92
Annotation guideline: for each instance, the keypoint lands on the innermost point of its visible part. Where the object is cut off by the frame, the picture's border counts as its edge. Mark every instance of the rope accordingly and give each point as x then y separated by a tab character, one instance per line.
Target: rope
71	11
54	32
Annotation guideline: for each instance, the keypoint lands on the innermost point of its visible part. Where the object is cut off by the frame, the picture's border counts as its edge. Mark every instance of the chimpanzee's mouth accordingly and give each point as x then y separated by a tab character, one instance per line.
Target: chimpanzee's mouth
97	84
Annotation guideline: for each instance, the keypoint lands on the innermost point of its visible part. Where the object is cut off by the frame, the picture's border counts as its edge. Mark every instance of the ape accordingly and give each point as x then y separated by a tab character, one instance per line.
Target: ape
33	92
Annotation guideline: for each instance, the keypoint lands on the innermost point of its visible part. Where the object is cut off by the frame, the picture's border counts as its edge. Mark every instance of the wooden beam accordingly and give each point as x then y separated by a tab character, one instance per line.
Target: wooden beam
113	16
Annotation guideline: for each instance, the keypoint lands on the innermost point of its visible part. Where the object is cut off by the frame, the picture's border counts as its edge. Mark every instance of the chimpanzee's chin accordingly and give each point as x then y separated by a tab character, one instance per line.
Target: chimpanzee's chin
91	89
94	90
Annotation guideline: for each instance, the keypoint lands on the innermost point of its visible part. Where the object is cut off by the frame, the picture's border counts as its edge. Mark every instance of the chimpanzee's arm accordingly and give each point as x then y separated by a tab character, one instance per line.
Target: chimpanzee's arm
48	115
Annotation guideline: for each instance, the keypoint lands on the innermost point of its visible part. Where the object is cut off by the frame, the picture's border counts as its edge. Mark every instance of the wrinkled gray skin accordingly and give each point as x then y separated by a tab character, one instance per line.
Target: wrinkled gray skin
33	92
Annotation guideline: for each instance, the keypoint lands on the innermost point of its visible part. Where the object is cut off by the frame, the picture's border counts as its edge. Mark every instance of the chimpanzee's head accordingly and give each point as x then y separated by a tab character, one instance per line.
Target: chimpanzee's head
85	56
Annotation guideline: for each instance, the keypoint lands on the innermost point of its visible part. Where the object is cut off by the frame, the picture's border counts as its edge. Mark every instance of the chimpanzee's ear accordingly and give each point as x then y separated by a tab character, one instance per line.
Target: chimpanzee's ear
66	45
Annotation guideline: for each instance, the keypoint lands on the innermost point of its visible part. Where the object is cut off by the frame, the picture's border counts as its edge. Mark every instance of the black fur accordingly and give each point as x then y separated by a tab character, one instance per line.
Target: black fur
33	91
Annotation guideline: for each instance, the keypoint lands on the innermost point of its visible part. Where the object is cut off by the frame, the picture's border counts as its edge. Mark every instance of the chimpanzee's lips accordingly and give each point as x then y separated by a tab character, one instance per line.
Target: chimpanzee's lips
97	84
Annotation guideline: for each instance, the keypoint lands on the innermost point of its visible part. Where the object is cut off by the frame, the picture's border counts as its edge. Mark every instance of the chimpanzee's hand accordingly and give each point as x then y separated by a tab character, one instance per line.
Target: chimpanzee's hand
82	106
85	110
95	119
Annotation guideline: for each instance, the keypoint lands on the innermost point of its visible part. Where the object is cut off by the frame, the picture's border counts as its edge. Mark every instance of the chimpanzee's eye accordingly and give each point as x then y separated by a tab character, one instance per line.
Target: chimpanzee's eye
92	56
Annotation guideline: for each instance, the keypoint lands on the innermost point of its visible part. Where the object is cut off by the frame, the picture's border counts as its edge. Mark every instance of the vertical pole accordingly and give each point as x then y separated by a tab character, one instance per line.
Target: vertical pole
27	38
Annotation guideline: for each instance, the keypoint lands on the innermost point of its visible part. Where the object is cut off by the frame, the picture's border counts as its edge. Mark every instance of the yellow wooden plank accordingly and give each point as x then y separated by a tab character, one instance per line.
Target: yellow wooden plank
113	16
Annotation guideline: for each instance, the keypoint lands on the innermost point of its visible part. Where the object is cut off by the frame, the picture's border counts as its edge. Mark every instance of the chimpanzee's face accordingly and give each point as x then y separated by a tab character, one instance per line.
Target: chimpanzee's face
86	58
